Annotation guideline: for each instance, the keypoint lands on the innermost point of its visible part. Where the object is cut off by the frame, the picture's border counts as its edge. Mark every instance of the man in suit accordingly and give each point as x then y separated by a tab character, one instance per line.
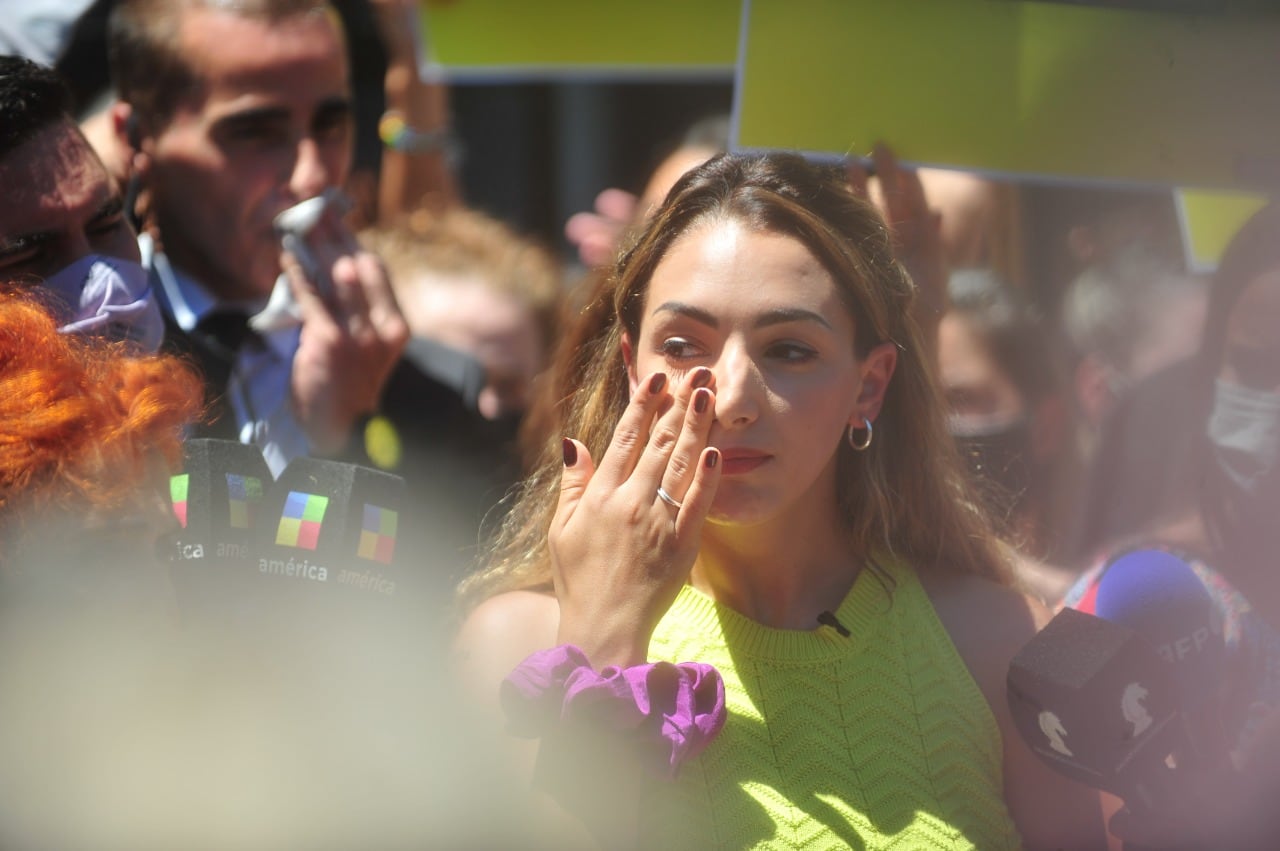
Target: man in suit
232	113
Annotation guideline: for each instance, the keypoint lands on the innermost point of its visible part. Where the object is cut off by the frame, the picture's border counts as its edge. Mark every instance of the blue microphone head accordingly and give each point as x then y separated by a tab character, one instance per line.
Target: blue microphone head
1161	598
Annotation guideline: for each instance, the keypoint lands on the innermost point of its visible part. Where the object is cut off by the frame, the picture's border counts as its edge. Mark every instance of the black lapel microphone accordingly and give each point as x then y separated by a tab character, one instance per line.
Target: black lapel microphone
829	619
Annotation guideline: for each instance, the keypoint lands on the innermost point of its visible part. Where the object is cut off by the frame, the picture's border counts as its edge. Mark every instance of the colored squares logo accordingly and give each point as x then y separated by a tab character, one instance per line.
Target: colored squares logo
301	519
242	492
178	496
378	534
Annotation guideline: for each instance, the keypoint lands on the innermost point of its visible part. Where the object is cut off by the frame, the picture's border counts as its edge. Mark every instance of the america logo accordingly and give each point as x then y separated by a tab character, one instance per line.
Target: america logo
301	520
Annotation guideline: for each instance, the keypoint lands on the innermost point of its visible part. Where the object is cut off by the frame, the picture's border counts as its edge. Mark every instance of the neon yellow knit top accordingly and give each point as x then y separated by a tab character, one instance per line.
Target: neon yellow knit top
878	740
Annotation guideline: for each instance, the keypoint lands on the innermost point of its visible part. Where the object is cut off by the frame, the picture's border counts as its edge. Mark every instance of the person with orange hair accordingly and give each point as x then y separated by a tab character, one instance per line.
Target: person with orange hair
89	432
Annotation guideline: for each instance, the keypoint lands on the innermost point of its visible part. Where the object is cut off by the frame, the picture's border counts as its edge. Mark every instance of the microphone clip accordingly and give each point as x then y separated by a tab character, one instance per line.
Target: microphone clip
829	619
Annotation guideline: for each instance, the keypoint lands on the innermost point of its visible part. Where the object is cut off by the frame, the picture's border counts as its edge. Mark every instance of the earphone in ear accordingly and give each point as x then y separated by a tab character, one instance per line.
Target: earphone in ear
131	131
133	186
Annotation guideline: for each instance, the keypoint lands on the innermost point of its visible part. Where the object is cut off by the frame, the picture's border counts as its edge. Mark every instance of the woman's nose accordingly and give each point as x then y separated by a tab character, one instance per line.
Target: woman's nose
738	387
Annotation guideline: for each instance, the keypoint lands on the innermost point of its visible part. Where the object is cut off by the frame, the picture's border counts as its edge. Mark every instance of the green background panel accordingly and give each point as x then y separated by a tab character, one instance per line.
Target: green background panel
1017	87
506	34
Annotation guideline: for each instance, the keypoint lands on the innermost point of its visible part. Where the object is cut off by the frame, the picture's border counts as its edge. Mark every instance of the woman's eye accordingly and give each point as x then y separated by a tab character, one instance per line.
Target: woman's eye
677	348
791	352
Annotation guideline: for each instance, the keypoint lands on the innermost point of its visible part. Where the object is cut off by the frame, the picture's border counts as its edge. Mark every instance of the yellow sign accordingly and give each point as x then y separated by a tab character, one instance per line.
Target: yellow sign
1053	89
543	38
1209	222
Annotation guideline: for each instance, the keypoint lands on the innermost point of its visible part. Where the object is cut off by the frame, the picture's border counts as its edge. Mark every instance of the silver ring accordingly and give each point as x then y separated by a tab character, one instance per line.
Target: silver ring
668	499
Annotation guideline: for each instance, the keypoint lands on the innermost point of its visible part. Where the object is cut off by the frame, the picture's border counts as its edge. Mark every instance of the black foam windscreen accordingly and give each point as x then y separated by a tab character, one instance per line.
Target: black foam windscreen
216	499
1098	704
1159	595
331	529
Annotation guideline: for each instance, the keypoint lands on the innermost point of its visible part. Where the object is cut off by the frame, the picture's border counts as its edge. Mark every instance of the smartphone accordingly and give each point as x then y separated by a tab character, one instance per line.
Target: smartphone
296	223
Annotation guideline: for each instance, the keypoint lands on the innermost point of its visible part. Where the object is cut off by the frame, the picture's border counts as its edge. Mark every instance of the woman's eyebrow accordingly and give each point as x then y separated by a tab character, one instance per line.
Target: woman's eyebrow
695	313
771	317
791	314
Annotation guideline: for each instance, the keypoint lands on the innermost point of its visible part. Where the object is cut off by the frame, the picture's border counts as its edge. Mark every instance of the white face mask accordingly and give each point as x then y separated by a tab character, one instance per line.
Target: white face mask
1244	429
111	298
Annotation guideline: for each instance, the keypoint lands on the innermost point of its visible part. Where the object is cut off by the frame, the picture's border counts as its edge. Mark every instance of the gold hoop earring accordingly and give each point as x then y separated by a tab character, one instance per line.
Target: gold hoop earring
860	446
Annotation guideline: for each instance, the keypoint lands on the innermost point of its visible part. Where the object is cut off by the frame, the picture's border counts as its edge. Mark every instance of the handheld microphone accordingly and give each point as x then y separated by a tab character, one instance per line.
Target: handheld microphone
1096	702
329	531
216	499
1159	596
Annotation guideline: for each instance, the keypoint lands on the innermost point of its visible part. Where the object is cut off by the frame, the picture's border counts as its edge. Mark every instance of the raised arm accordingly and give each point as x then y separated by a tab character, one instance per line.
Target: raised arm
917	233
619	555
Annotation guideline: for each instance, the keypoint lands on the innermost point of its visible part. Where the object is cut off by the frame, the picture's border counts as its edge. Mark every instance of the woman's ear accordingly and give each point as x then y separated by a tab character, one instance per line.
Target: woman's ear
877	369
628	358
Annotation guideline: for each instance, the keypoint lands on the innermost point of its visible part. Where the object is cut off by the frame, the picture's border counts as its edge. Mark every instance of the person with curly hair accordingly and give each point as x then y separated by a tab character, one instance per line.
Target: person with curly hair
90	430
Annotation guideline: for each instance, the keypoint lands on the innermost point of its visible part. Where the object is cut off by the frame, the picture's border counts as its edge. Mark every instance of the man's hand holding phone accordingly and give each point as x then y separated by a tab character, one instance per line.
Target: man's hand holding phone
353	332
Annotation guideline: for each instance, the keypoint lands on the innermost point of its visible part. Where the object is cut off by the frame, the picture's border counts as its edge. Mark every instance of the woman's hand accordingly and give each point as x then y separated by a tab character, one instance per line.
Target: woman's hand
619	551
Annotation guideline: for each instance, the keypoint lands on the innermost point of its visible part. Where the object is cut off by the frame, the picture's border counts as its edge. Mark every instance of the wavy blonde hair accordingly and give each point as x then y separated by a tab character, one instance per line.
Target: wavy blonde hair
907	496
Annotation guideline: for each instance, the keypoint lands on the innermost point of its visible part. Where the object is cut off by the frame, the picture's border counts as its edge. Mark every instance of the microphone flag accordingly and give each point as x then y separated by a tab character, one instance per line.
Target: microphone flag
216	499
1095	702
333	532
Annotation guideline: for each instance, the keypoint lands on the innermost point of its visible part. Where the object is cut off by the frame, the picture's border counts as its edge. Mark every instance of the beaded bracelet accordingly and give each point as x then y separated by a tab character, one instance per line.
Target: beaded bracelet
671	712
397	135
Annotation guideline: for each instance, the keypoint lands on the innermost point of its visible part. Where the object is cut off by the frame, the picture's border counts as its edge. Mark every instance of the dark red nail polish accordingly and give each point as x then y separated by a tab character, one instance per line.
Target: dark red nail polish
700	399
713	458
570	450
701	377
658	381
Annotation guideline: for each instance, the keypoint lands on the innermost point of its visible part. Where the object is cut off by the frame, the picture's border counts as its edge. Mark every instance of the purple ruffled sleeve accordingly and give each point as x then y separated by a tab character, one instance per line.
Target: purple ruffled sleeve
671	712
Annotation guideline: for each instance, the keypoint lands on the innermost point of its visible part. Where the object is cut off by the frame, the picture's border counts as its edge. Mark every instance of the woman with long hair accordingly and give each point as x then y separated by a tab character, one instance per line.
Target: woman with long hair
1222	527
757	478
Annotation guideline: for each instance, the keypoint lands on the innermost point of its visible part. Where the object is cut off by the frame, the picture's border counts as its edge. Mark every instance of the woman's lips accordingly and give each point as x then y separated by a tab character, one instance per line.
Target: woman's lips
735	462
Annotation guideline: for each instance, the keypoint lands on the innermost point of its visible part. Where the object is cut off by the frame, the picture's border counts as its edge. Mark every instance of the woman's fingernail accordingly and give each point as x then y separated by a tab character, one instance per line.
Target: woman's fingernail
701	377
713	458
570	450
658	381
701	398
